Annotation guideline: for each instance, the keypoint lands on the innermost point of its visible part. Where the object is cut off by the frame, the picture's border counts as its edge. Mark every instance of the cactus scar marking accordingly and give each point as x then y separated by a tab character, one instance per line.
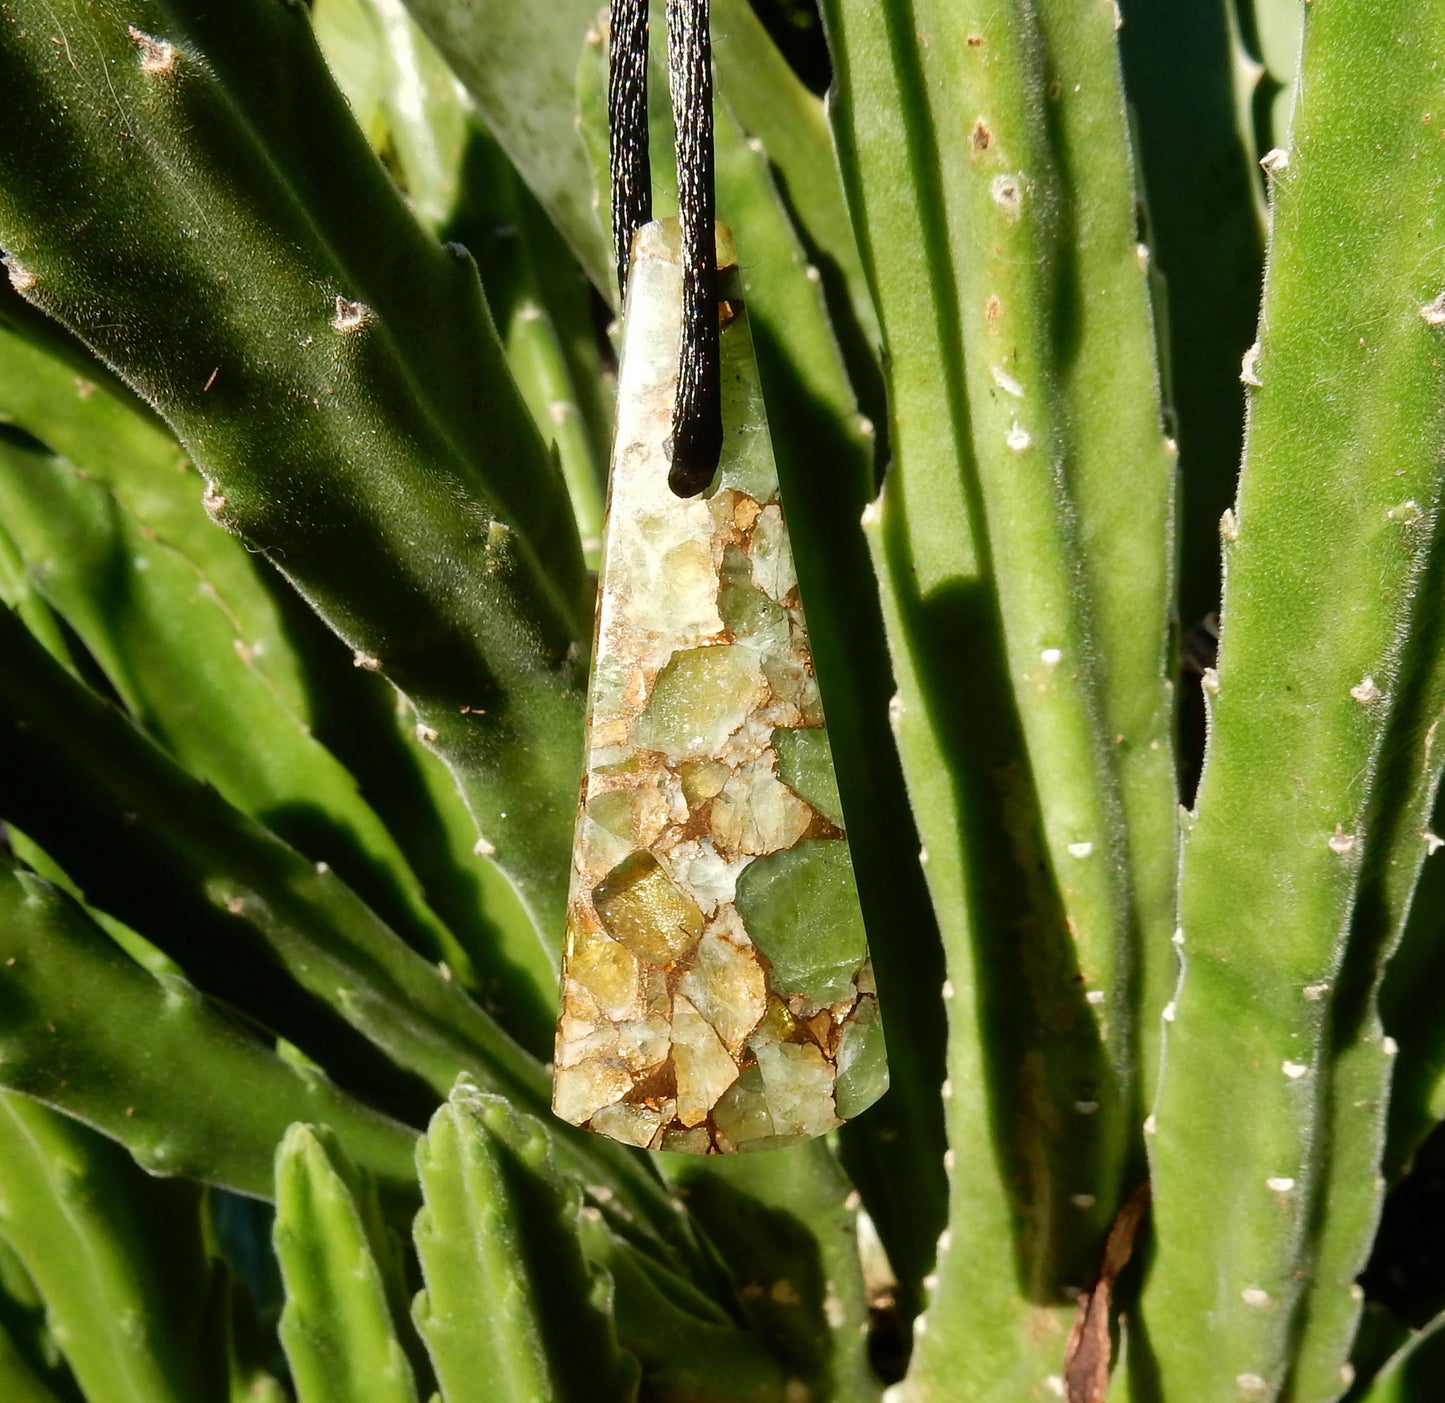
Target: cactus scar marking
1007	192
351	317
1365	691
156	55
1249	367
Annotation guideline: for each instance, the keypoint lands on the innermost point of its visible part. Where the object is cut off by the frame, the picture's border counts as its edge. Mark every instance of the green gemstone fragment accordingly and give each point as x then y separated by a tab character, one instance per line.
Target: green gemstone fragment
700	698
800	908
862	1061
805	765
748	613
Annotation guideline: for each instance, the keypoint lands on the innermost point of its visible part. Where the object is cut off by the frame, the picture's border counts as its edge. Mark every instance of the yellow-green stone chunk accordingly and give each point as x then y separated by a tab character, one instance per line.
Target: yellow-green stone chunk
644	910
716	991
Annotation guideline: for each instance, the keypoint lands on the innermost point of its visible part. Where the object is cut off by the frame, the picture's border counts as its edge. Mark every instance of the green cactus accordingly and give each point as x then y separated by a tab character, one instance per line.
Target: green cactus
118	1258
501	1226
336	1327
285	807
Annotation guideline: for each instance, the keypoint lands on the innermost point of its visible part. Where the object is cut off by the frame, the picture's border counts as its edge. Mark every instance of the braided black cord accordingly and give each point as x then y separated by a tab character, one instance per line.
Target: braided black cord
627	127
697	411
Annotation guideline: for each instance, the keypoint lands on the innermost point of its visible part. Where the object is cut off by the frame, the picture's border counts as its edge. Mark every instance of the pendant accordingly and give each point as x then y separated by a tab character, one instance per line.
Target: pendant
716	989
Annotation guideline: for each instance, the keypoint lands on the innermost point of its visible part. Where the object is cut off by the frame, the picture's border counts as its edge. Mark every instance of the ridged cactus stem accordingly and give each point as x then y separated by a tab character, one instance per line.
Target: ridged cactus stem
118	1259
786	1224
1008	486
158	629
150	1063
336	1328
263	908
19	1383
1362	1058
1325	552
510	1309
1119	469
1007	192
1414	1372
121	449
336	378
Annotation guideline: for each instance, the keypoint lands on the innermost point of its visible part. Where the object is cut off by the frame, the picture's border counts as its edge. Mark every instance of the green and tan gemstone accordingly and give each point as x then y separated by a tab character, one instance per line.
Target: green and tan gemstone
716	988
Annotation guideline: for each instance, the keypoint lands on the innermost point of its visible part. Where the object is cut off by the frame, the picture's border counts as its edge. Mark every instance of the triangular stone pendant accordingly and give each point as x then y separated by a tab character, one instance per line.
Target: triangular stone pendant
716	988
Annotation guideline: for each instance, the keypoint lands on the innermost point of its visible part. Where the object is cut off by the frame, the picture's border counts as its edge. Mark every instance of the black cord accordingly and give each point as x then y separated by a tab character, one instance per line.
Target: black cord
697	410
627	128
696	441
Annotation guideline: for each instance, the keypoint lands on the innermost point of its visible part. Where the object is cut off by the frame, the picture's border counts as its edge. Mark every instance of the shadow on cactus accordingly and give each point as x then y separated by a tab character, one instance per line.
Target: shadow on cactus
308	374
